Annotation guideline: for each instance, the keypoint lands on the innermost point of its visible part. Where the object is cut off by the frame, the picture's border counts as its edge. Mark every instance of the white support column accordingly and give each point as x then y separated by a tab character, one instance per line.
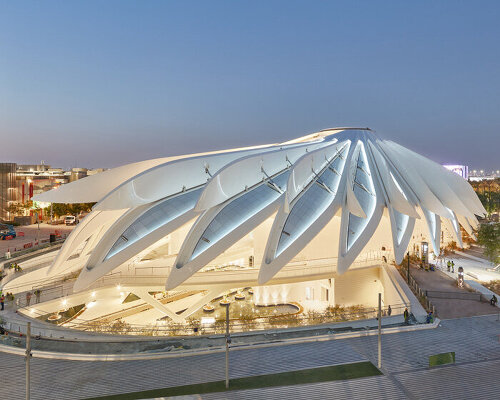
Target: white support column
144	295
212	294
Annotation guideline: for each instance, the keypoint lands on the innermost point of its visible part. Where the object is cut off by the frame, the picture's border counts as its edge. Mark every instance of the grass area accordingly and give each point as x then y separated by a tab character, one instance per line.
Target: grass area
442	359
314	375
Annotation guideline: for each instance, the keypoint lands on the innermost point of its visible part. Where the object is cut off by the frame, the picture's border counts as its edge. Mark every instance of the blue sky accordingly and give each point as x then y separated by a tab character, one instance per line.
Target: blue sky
104	83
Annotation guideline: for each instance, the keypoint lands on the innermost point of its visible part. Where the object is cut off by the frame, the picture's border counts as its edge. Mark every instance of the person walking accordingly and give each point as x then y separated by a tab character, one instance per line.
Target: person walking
38	292
406	316
494	300
453	267
28	298
2	300
430	318
389	310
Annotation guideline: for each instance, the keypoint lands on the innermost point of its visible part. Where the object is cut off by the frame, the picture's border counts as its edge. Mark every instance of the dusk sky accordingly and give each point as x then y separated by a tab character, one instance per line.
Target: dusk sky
105	83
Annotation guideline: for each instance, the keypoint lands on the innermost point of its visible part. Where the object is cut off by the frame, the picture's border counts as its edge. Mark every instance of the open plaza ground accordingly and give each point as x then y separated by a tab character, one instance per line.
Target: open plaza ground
30	234
405	368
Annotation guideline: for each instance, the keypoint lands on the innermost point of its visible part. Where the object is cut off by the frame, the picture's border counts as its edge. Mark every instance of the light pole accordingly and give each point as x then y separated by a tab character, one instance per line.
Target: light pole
38	230
228	341
28	357
380	330
408	255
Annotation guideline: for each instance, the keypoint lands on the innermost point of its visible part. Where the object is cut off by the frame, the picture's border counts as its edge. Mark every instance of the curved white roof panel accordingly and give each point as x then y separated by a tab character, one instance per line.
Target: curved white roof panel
294	189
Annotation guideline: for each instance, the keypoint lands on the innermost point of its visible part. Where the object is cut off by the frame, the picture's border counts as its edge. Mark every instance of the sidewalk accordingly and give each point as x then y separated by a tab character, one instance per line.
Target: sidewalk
445	282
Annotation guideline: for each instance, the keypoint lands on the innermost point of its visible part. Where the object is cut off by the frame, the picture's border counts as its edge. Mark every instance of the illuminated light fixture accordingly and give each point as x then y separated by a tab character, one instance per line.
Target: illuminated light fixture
91	304
92	294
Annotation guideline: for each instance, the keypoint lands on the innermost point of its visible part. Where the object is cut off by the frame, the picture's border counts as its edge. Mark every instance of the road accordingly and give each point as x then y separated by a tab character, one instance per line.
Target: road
31	234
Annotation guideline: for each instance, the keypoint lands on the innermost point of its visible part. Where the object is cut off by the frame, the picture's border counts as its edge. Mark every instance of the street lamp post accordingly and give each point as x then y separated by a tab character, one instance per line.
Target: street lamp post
28	359
379	330
228	341
408	255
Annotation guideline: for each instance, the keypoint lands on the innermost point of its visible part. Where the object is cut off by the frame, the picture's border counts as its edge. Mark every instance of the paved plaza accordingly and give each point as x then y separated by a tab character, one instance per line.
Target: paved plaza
444	285
32	233
405	367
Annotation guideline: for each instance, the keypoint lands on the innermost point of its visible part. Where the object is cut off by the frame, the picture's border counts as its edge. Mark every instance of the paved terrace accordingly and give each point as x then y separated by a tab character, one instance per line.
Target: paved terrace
460	302
405	359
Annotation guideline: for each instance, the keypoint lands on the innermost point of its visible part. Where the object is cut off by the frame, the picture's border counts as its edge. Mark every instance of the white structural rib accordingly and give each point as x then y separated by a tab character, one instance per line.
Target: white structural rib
401	228
355	231
307	180
455	228
135	231
434	225
298	222
307	167
243	173
91	226
466	225
396	196
223	225
407	170
172	177
94	188
402	213
436	178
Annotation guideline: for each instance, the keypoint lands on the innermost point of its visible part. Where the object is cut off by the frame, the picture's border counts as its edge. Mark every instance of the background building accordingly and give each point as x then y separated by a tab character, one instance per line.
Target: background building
20	182
7	188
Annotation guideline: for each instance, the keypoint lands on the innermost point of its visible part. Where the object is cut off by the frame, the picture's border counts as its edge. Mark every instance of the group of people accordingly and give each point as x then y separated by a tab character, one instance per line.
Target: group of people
37	294
10	296
451	266
13	265
5	297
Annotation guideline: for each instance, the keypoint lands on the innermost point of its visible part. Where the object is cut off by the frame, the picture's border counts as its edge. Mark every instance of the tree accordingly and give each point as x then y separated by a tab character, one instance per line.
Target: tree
489	237
16	209
488	192
60	209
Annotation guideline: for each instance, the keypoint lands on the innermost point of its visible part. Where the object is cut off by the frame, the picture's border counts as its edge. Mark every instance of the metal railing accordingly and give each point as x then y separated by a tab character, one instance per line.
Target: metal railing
35	249
418	291
453	295
52	288
195	326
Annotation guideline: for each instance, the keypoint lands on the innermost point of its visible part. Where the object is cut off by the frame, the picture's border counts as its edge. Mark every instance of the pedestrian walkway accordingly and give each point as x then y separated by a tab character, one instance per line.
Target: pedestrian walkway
404	363
454	306
474	267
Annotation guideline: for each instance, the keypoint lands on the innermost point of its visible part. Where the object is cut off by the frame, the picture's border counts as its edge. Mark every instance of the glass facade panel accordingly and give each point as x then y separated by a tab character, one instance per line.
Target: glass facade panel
365	193
312	203
239	210
157	216
401	224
